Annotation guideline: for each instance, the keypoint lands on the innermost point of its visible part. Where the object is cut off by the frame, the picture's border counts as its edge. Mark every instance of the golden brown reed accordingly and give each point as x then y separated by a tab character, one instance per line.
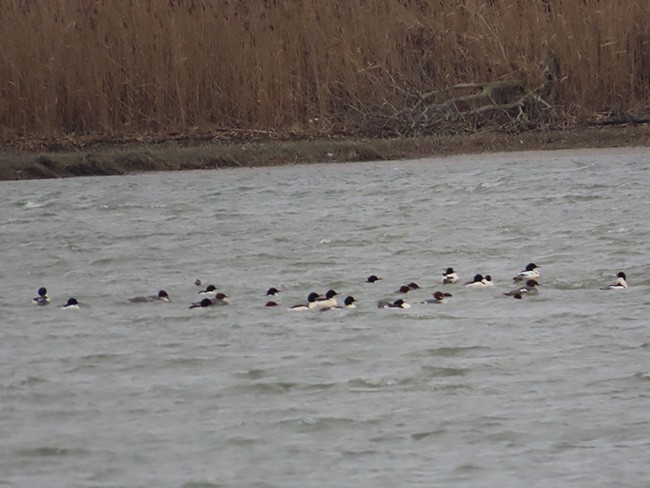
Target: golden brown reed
129	66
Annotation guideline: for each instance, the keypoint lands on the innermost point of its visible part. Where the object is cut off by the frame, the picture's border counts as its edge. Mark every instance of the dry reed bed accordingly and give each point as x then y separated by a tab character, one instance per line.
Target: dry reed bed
132	66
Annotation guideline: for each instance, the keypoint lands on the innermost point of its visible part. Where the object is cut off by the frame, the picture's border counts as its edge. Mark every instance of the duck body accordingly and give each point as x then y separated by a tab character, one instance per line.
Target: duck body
41	299
209	291
449	277
530	288
438	297
530	273
621	283
311	298
328	301
218	299
399	303
162	296
71	304
349	302
477	282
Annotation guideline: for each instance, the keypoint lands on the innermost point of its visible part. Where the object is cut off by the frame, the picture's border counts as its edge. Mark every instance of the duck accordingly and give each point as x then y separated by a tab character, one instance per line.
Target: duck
372	278
206	302
218	299
197	282
347	303
438	297
209	291
399	303
530	288
271	303
42	298
477	282
325	302
272	292
311	298
449	276
487	281
621	283
71	304
529	273
162	296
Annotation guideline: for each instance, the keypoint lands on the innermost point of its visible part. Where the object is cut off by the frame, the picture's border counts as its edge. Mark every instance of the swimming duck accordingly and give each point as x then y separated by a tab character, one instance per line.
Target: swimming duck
210	291
449	276
399	303
206	302
71	304
217	299
438	297
162	296
621	283
311	298
477	282
529	273
530	288
325	302
348	303
42	298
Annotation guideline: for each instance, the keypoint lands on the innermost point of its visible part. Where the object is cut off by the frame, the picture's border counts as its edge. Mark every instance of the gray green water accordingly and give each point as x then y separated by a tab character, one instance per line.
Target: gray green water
483	391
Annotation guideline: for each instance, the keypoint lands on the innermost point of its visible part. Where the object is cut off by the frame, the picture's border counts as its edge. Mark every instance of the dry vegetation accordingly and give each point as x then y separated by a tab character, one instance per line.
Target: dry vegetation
132	68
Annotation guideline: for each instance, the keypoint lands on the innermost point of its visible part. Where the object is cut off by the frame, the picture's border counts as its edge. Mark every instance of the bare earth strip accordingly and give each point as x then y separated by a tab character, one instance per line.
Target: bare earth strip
85	158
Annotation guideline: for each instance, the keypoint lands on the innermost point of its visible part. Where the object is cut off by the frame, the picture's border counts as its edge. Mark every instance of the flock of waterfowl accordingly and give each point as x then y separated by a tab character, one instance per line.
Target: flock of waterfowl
210	296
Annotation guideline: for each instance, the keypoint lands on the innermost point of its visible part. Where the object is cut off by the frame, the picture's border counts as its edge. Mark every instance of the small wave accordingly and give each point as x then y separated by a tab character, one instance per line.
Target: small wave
27	381
317	424
432	433
49	451
371	383
29	204
451	351
437	371
201	484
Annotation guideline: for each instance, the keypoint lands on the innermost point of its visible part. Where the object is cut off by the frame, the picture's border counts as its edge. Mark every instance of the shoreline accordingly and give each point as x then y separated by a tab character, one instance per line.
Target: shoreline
111	157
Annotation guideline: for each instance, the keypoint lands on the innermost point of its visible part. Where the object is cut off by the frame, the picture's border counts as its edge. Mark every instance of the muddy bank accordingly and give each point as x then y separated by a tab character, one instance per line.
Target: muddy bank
128	157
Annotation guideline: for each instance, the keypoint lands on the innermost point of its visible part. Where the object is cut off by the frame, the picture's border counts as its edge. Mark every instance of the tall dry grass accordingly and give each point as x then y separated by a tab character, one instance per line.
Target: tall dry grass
129	66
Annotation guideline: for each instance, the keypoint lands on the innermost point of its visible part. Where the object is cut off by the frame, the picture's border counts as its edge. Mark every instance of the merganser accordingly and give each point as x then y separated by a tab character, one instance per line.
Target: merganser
311	298
396	304
530	288
71	304
42	298
620	284
218	299
449	276
348	303
272	292
206	302
372	278
211	290
477	282
529	273
438	297
327	302
162	296
487	280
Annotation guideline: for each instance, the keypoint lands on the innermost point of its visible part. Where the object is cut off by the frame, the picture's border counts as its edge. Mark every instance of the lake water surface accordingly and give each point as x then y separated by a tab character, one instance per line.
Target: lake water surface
483	391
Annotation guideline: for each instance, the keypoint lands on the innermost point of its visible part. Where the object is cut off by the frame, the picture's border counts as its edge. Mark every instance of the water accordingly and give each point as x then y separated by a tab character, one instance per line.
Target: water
483	391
